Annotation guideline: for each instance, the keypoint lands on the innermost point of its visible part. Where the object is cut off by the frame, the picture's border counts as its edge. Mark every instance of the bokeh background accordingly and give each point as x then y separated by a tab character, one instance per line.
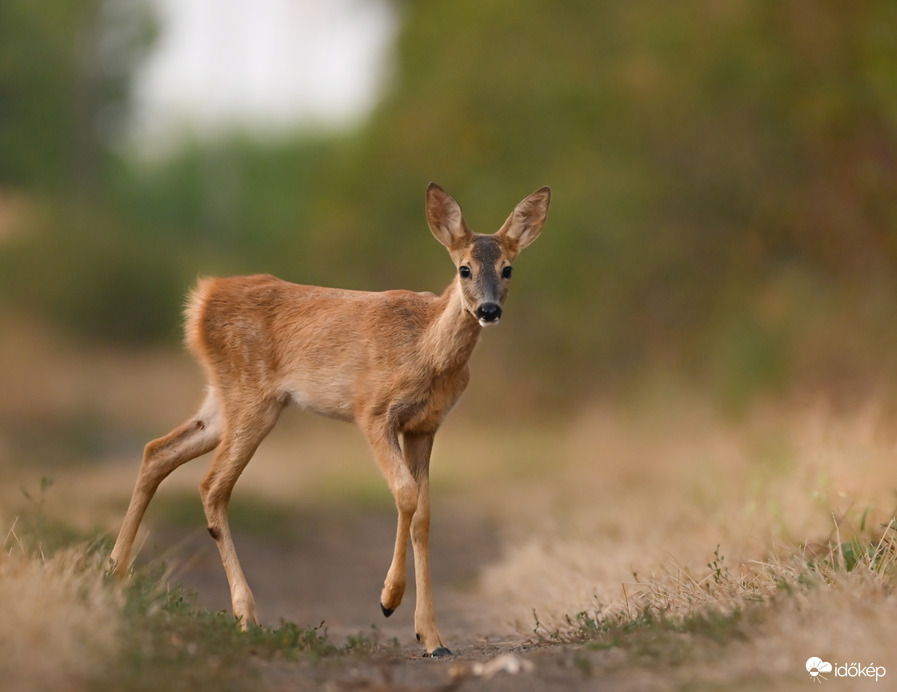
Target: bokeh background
724	175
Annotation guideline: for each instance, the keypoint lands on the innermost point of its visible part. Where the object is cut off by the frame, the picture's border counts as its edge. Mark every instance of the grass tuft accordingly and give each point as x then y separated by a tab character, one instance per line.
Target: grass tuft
61	620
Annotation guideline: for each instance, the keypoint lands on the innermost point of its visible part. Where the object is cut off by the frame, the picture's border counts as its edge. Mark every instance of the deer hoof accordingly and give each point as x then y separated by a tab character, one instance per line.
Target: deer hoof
387	611
440	651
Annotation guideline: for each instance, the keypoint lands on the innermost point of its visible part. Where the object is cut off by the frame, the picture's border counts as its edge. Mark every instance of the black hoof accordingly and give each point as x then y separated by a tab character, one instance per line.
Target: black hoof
387	611
440	651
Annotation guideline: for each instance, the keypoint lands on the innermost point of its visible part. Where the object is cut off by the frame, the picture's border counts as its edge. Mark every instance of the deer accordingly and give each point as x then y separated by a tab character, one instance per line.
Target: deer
393	362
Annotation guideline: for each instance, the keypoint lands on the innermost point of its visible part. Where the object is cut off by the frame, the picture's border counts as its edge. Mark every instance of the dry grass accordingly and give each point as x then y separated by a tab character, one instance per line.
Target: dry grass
782	517
60	621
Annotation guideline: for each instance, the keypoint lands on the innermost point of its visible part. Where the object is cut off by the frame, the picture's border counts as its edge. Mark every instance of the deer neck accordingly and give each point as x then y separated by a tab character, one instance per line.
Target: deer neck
453	332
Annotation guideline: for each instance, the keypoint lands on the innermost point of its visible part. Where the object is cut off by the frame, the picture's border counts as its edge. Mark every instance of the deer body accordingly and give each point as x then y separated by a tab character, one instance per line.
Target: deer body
393	362
354	354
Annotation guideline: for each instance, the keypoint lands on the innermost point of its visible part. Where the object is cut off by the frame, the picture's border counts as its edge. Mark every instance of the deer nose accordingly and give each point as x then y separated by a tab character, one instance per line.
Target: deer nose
489	312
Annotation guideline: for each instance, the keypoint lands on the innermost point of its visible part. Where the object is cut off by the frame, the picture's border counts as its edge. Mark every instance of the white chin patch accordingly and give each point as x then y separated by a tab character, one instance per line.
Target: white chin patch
484	323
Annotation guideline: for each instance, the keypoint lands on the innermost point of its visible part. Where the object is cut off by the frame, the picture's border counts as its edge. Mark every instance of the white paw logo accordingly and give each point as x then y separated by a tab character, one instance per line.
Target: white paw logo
816	667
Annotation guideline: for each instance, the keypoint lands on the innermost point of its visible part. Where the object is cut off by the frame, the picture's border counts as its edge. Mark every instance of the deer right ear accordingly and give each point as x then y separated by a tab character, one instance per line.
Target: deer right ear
445	219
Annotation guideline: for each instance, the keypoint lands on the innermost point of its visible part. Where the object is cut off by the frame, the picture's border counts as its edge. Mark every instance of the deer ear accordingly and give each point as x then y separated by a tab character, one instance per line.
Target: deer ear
525	223
445	218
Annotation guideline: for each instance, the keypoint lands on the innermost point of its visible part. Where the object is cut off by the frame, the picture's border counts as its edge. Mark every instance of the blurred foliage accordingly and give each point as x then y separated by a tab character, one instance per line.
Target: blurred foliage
723	176
65	71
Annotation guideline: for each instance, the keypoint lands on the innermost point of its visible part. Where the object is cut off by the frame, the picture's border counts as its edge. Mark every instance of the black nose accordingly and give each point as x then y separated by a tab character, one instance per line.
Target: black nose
489	312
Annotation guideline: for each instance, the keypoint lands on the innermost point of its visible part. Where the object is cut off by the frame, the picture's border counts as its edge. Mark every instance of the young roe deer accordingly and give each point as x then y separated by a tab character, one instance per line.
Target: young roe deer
393	362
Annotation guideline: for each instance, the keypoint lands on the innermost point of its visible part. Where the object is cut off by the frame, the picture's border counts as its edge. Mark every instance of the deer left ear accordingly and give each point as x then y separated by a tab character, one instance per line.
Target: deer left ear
525	223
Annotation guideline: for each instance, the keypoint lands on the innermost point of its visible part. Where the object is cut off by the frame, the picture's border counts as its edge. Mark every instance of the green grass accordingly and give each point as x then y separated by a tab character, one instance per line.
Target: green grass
170	642
652	636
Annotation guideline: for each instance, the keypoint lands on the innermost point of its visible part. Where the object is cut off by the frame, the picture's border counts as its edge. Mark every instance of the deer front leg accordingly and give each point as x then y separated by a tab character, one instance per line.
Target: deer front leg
394	585
384	442
417	448
407	475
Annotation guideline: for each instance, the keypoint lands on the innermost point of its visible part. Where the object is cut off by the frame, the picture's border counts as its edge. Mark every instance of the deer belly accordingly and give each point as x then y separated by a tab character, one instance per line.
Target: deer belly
327	399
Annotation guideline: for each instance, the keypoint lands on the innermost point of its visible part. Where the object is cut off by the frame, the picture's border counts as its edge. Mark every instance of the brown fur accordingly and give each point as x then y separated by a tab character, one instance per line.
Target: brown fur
394	362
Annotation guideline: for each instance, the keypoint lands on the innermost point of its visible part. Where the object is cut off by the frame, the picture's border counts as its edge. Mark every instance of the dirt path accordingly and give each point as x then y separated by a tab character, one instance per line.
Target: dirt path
328	565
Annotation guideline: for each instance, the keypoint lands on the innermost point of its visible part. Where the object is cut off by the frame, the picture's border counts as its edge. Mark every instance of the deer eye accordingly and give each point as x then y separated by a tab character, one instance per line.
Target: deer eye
506	272
464	271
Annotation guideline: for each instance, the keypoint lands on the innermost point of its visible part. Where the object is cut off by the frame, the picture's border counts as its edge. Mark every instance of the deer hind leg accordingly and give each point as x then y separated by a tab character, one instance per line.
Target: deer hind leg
243	433
417	458
195	437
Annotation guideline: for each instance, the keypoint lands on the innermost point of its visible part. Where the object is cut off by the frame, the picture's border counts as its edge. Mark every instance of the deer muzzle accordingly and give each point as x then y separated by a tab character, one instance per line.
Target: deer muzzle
489	313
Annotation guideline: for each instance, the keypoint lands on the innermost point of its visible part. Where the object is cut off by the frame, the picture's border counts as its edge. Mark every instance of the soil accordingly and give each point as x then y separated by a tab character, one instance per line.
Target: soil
329	567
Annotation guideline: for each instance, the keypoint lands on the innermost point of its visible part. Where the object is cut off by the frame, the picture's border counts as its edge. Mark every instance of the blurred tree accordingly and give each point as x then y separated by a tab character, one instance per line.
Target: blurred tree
65	70
723	176
717	168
